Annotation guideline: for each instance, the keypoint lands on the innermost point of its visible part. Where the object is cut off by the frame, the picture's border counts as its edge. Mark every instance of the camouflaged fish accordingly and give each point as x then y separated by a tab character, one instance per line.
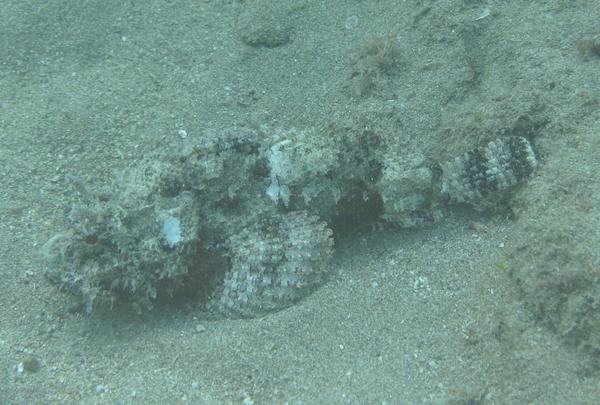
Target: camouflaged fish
244	221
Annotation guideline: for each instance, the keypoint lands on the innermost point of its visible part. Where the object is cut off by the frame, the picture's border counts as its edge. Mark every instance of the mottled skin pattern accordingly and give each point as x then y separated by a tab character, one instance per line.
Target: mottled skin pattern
256	211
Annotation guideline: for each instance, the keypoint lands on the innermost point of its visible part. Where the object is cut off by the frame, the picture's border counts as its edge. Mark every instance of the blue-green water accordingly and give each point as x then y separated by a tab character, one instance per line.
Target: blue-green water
479	307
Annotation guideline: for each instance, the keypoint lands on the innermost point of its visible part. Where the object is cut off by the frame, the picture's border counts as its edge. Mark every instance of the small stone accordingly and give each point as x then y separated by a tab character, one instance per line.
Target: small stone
19	369
483	14
200	328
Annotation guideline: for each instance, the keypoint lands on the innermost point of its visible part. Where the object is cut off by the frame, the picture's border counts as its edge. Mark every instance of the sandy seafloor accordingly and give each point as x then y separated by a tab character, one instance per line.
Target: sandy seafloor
448	314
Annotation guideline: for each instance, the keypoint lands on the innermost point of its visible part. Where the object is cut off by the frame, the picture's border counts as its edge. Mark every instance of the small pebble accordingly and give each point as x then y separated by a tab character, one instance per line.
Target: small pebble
483	14
19	369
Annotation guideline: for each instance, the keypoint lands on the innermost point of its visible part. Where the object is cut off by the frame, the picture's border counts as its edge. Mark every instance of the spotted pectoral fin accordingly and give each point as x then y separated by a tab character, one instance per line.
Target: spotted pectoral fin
274	263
